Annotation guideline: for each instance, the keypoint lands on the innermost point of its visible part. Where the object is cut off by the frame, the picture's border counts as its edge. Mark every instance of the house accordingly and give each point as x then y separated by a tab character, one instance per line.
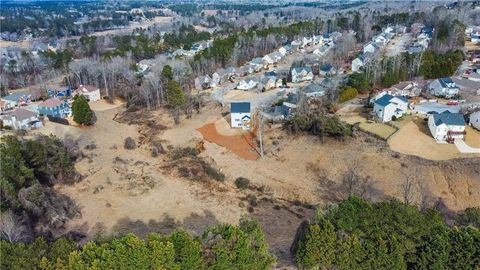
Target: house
202	82
389	107
406	89
268	82
380	40
322	51
284	50
54	107
415	48
316	39
246	84
15	100
307	41
21	119
258	64
371	47
219	76
59	91
273	58
314	90
327	70
361	61
296	44
289	105
300	74
475	37
326	37
91	93
446	127
240	115
475	120
443	87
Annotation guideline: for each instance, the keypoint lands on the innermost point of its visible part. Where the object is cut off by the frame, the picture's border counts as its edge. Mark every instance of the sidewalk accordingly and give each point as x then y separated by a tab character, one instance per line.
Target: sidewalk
464	148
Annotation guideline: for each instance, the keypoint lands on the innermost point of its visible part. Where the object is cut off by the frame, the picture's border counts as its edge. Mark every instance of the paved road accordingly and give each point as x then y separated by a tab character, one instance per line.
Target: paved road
464	148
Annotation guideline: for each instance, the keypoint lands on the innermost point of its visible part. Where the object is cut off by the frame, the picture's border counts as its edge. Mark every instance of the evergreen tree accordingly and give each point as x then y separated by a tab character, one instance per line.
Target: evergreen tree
81	111
176	99
316	248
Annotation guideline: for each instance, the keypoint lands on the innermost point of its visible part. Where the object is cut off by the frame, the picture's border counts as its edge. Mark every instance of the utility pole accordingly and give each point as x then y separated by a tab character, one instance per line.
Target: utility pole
260	116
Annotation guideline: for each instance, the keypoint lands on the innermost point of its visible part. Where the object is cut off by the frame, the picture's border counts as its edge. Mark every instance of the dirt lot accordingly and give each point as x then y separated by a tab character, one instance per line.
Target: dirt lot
125	190
382	130
415	139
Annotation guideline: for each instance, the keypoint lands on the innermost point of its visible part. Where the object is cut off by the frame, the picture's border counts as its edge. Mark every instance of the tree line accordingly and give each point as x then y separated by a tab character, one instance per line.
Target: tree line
220	247
392	70
357	234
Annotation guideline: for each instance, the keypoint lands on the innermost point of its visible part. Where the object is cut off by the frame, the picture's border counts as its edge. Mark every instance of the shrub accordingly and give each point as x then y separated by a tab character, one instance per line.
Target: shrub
252	200
178	153
242	182
213	173
130	143
81	111
347	93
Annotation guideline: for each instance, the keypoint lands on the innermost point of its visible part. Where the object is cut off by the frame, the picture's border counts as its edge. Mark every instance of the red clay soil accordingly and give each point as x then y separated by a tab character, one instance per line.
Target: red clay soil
242	145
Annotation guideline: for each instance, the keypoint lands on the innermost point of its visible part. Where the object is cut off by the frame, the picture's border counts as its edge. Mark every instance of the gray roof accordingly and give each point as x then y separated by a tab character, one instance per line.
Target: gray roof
240	107
314	88
21	114
300	69
450	119
16	96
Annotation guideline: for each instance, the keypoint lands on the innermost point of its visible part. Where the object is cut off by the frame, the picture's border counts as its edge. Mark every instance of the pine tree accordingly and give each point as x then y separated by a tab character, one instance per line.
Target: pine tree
81	111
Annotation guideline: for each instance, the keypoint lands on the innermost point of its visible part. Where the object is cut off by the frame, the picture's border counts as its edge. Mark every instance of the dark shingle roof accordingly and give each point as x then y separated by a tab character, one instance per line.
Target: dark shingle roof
450	119
16	96
240	107
385	100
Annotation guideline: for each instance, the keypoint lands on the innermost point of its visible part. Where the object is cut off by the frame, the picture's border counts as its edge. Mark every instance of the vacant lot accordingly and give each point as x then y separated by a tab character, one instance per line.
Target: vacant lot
415	139
379	129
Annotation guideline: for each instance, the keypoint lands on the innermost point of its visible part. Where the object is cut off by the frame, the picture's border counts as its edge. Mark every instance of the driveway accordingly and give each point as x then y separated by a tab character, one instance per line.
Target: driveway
464	148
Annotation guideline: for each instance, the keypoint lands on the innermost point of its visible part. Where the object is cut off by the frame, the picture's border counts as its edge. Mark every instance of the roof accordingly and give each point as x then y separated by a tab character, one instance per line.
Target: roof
51	102
386	99
258	61
447	82
87	88
300	69
449	119
240	107
21	114
326	67
15	96
313	88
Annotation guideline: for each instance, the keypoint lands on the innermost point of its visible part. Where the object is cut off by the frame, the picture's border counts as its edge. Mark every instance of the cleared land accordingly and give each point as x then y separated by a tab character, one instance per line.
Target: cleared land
126	190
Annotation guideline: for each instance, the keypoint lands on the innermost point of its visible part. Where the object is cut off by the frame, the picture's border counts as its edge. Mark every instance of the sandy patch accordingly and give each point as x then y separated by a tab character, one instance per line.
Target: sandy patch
242	145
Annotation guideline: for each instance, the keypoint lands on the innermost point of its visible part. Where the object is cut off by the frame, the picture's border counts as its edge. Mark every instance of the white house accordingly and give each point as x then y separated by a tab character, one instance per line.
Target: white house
371	47
301	74
257	64
246	84
475	120
388	106
203	82
91	93
446	127
21	119
322	51
272	58
360	61
327	70
443	87
221	76
240	115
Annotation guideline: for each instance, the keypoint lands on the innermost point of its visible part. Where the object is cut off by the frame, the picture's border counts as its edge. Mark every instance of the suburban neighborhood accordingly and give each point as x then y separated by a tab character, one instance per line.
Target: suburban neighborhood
249	135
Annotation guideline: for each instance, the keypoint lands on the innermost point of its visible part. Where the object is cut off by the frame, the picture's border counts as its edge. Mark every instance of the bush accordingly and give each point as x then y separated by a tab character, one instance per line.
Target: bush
242	182
81	111
178	153
213	173
130	143
347	93
252	200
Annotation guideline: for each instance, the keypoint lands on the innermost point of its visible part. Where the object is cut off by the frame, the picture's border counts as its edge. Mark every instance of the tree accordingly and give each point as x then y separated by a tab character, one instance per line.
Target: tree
188	251
167	72
81	111
347	93
175	99
316	248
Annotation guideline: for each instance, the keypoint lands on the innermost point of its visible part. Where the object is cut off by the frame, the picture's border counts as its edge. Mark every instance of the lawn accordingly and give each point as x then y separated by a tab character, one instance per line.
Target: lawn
379	129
